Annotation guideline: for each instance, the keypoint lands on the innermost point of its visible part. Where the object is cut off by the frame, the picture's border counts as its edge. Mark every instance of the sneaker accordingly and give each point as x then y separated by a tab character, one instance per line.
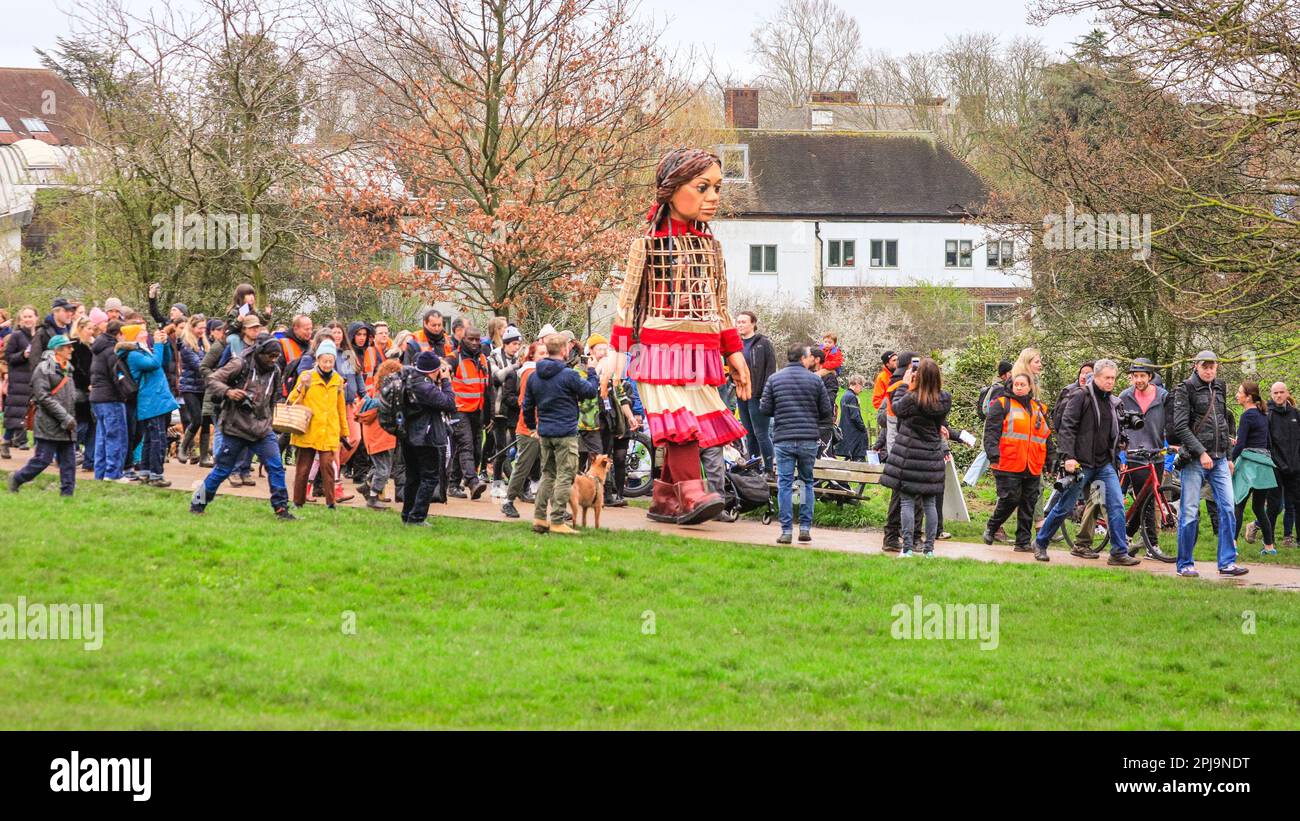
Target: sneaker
158	481
1252	532
541	526
528	498
283	514
372	502
1082	552
988	536
943	536
13	483
125	480
1001	535
1040	554
929	554
1188	573
1160	556
498	489
805	536
1289	541
1268	551
616	501
892	547
206	462
905	553
236	480
784	538
1122	560
197	509
563	530
724	515
476	489
456	492
421	523
508	510
4	450
1233	570
1022	548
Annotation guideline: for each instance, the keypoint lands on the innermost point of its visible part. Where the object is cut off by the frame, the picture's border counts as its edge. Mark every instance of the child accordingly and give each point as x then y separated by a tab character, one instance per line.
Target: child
834	356
321	390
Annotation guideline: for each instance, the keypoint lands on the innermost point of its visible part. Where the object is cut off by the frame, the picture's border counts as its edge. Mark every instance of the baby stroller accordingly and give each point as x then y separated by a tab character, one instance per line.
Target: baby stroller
747	488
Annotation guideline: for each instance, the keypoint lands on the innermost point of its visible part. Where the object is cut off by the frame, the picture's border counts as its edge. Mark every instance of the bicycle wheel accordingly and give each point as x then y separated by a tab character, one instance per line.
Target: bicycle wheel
1069	525
640	466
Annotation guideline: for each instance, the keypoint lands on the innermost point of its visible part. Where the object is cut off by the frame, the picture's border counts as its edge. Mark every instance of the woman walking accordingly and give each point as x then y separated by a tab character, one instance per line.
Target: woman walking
379	443
1254	473
1017	440
915	467
18	355
193	349
321	391
83	337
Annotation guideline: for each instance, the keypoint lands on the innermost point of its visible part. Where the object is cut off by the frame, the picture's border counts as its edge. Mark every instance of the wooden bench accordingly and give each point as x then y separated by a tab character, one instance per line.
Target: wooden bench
839	481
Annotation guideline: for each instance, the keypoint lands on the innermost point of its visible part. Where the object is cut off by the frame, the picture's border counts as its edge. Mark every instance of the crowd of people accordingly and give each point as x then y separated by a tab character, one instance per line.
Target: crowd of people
449	410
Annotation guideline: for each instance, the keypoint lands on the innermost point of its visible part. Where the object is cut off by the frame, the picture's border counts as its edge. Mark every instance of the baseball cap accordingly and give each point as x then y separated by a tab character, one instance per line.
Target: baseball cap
58	341
1207	356
250	321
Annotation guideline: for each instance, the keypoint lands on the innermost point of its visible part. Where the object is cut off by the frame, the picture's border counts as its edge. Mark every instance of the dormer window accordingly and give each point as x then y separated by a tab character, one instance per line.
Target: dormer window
4	125
735	162
35	125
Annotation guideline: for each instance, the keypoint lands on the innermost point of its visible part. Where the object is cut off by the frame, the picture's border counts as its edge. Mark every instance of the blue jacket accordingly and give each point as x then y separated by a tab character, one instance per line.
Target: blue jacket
797	401
148	369
192	380
552	395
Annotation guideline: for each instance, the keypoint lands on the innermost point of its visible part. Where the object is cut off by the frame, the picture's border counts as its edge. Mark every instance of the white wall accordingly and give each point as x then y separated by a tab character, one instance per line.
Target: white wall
920	256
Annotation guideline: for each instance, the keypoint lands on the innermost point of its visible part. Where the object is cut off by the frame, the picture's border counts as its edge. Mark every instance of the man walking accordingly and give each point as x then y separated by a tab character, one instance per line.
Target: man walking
796	400
761	358
469	384
1201	425
55	424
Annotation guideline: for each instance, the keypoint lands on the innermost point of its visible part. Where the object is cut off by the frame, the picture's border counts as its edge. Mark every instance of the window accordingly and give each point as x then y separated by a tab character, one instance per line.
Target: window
427	258
841	253
999	313
1001	254
762	259
34	124
884	253
957	253
822	118
735	162
4	125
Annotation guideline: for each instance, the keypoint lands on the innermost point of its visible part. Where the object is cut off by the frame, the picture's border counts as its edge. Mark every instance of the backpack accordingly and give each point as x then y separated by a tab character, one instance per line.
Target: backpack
123	380
982	404
392	404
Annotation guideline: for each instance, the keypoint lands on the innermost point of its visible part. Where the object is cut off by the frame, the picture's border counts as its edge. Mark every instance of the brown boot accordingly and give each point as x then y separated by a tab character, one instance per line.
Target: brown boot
699	504
666	505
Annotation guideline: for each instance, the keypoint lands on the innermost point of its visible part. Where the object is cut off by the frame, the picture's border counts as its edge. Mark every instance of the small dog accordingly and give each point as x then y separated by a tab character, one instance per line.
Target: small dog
589	490
174	435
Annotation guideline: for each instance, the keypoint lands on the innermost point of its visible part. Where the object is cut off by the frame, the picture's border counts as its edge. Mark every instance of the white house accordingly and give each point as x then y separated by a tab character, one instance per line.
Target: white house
844	211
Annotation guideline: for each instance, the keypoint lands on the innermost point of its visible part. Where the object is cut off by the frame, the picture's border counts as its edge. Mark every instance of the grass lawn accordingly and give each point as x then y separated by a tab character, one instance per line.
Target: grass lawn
235	620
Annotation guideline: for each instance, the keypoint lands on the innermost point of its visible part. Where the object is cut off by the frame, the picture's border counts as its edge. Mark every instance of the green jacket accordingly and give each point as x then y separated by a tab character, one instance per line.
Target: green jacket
1252	470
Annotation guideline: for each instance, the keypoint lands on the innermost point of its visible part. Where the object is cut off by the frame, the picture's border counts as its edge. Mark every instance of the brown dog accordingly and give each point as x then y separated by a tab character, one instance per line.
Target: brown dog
589	490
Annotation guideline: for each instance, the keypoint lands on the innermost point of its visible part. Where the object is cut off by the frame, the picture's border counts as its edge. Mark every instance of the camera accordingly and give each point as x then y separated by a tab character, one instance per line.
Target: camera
1131	420
1065	480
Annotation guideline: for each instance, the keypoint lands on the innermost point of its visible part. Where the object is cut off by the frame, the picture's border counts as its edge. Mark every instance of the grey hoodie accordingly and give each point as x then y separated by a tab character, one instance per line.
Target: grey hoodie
1152	435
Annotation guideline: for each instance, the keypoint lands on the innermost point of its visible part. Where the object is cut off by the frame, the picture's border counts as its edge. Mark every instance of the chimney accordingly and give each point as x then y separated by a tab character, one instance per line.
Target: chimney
741	107
840	97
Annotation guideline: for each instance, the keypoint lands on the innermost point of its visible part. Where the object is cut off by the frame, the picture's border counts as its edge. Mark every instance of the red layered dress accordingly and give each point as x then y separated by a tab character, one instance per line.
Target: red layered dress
672	316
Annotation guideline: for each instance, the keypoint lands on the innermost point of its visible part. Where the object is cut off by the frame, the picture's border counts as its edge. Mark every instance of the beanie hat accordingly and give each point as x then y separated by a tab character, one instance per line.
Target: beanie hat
130	332
97	316
427	362
181	307
215	324
885	357
112	304
58	341
327	347
546	331
596	339
1004	368
511	334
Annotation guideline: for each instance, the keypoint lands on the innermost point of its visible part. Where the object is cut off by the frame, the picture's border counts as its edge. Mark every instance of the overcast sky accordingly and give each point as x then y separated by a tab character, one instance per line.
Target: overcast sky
722	26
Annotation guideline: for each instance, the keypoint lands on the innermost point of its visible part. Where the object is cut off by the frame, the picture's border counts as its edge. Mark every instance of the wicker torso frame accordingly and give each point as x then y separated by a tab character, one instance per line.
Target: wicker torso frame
680	277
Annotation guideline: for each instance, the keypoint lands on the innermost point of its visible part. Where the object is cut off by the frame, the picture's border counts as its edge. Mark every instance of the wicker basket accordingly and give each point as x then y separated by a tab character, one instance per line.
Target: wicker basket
291	419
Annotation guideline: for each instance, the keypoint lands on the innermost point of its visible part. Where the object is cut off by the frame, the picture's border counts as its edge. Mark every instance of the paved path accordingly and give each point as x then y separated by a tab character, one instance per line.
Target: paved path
746	531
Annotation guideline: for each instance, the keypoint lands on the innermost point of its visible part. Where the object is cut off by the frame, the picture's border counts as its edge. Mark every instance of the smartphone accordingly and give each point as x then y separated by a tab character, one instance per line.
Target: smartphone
916	362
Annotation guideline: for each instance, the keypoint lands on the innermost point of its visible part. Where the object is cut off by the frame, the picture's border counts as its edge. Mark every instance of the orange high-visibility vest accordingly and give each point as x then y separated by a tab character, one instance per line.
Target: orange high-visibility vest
421	338
889	397
1023	445
292	350
469	384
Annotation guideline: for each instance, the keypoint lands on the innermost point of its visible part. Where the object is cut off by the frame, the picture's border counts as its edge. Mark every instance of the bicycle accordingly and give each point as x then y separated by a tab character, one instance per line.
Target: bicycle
1143	489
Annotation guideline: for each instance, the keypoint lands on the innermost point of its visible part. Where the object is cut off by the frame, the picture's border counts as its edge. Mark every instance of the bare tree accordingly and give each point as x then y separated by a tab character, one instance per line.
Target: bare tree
811	45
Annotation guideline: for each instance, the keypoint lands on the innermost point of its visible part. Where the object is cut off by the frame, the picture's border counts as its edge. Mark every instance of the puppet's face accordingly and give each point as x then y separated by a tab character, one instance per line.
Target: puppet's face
699	198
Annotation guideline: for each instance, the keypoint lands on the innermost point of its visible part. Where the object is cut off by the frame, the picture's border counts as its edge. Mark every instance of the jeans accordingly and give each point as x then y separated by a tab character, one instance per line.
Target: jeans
1189	510
155	444
111	438
907	518
47	450
1114	500
758	431
86	442
789	456
228	457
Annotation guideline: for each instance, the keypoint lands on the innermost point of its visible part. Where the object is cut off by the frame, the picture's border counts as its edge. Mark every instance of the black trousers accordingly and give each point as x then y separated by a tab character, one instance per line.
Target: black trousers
1289	485
1017	493
426	480
503	435
466	447
1260	502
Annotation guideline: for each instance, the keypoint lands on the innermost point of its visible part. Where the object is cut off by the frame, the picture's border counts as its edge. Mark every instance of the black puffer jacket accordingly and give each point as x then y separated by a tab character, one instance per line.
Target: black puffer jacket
427	405
103	386
797	402
915	465
1284	434
20	378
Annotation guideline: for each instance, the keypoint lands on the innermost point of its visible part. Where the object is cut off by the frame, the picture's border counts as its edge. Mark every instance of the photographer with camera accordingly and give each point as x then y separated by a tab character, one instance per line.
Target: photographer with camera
1201	425
1143	402
245	390
1089	440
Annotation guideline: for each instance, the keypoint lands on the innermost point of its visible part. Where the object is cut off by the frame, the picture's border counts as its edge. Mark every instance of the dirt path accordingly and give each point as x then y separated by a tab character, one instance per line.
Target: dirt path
184	478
